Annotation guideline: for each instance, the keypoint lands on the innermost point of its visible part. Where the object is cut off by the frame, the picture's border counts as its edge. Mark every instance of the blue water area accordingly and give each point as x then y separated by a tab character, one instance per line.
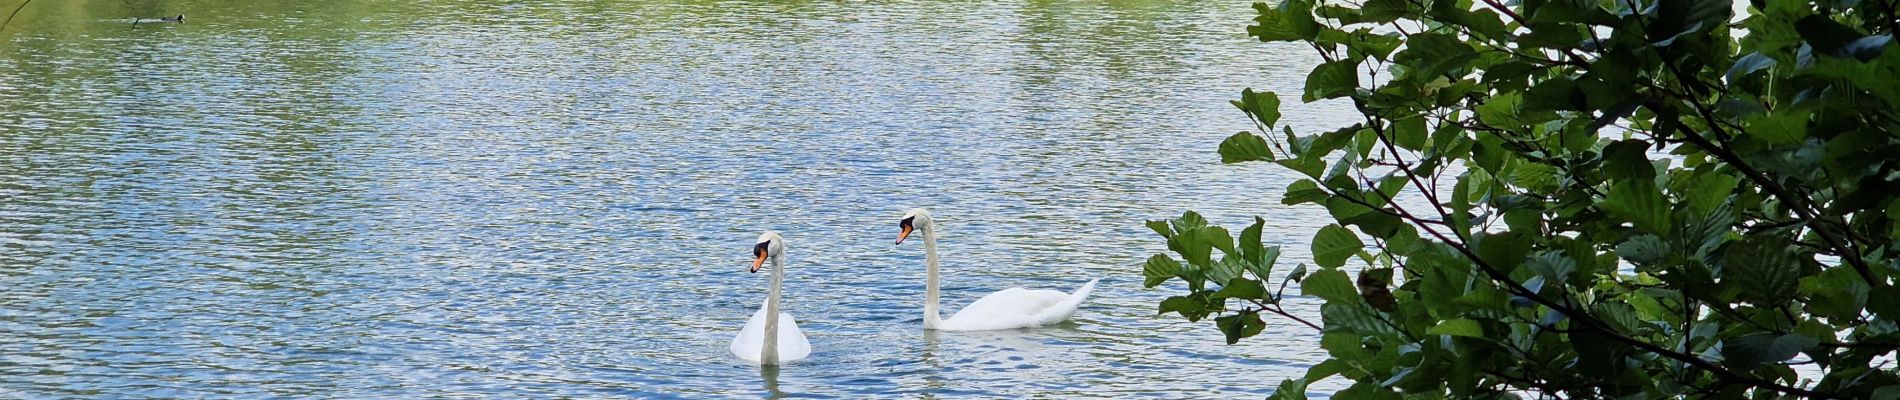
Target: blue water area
471	199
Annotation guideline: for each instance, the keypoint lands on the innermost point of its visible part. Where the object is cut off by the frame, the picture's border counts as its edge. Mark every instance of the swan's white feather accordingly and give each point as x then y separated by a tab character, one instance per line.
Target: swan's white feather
750	343
1018	308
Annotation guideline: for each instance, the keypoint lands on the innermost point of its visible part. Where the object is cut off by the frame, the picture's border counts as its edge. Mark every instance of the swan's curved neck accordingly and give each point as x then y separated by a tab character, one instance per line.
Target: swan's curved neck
932	320
769	352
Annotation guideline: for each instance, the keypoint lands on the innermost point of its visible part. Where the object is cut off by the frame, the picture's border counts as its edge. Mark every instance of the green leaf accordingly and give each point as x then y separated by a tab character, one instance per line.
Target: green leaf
1344	346
1889	392
1675	20
1299	18
1837	293
1596	352
1354	317
1485	23
1460	206
1620	315
1239	326
1490	155
1505	250
1781	127
1536	177
1289	389
1259	257
1554	266
1763	268
1643	249
1345	15
1243	147
1333	244
1161	227
1708	191
1188	221
1509	76
1457	327
1377	45
1555	94
1377	224
1626	160
1827	36
1501	110
1185	305
1762	347
1380	11
1193	307
1226	269
1867	48
1330	284
1708	233
1159	268
1264	106
1410	133
1311	166
1748	64
1304	191
1192	247
1430	55
1298	274
1640	203
1218	238
1271	25
1402	240
1242	288
1366	390
1330	80
1326	369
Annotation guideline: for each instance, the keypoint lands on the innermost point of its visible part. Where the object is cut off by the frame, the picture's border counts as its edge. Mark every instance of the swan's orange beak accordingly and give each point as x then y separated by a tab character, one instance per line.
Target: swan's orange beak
904	234
759	258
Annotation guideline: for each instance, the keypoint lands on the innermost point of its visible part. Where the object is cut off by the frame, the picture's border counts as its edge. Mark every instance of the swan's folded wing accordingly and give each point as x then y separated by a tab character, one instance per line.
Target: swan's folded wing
1007	309
792	344
1069	304
748	344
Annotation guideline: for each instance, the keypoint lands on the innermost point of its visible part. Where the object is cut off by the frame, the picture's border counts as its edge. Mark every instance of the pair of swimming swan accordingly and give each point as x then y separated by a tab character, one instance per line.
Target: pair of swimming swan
1006	309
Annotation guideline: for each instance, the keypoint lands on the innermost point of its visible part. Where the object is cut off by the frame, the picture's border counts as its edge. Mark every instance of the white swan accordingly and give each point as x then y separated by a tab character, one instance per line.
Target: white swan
764	341
1007	309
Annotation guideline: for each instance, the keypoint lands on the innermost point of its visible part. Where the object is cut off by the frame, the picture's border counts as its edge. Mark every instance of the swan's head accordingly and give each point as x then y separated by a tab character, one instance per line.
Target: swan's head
771	245
916	218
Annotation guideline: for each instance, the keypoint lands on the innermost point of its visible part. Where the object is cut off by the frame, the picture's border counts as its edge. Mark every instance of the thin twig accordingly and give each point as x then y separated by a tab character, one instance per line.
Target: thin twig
16	11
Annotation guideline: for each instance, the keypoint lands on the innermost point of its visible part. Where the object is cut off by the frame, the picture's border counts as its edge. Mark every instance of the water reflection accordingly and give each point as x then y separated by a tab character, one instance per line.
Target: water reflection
480	199
769	375
930	357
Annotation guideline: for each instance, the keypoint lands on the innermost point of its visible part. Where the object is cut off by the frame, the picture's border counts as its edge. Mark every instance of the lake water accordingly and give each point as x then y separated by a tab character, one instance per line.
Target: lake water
471	199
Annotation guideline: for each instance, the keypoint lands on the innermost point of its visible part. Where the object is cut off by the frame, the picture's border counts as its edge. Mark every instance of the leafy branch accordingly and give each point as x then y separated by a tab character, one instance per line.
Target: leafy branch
1563	239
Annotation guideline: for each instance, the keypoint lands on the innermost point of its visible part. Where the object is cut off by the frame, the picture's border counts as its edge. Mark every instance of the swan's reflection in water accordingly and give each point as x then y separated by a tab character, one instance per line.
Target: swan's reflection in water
769	374
929	355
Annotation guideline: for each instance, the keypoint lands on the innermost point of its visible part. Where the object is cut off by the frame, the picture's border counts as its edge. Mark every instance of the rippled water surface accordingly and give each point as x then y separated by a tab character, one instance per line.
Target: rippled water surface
466	198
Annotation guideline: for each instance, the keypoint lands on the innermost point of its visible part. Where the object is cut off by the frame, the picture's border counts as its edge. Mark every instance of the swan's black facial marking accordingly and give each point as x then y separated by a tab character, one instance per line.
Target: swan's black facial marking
903	229
759	254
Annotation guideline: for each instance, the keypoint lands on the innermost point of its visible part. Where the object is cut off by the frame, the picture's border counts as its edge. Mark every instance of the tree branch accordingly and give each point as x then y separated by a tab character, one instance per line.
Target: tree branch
16	11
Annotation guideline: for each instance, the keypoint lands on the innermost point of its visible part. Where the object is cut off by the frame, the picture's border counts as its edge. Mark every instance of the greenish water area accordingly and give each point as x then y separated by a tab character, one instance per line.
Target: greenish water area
391	199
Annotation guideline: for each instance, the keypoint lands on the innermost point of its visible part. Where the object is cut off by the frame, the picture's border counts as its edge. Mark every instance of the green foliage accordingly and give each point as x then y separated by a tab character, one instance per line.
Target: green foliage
1580	199
1192	238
